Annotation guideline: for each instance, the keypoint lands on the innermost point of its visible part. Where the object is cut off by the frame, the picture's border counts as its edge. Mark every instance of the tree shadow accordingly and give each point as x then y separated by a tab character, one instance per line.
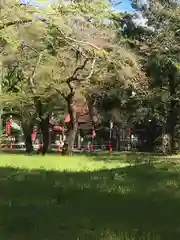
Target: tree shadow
126	157
136	202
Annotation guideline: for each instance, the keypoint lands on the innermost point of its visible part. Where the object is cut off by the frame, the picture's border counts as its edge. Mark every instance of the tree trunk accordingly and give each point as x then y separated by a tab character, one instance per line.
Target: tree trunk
171	126
44	126
166	142
172	117
27	130
95	116
28	144
71	138
72	125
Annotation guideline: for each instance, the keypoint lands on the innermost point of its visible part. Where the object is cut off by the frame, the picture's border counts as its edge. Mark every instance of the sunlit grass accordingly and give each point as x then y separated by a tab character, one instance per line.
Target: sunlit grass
89	197
60	163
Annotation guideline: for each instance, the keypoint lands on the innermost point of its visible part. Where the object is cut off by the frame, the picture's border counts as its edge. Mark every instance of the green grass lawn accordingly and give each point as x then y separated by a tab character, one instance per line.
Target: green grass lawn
89	197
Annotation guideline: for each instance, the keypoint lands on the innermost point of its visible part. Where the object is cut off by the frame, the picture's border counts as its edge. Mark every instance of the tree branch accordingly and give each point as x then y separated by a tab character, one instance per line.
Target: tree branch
8	24
62	94
67	38
70	80
27	46
92	69
77	41
81	67
31	78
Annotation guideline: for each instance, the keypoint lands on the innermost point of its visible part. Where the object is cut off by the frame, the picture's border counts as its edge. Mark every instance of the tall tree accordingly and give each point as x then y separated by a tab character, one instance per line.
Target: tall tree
162	61
60	50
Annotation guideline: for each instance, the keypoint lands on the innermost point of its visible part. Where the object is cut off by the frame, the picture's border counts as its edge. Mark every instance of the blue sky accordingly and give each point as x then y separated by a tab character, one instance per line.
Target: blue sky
124	6
30	1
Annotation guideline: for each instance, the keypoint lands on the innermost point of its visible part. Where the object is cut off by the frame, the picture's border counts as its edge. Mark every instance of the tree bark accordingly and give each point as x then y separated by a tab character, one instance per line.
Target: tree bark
44	120
71	138
73	124
93	112
27	130
44	126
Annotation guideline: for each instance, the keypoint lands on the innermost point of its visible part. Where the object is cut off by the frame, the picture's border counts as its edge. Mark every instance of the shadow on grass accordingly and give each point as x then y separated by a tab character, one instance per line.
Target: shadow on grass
127	157
137	202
